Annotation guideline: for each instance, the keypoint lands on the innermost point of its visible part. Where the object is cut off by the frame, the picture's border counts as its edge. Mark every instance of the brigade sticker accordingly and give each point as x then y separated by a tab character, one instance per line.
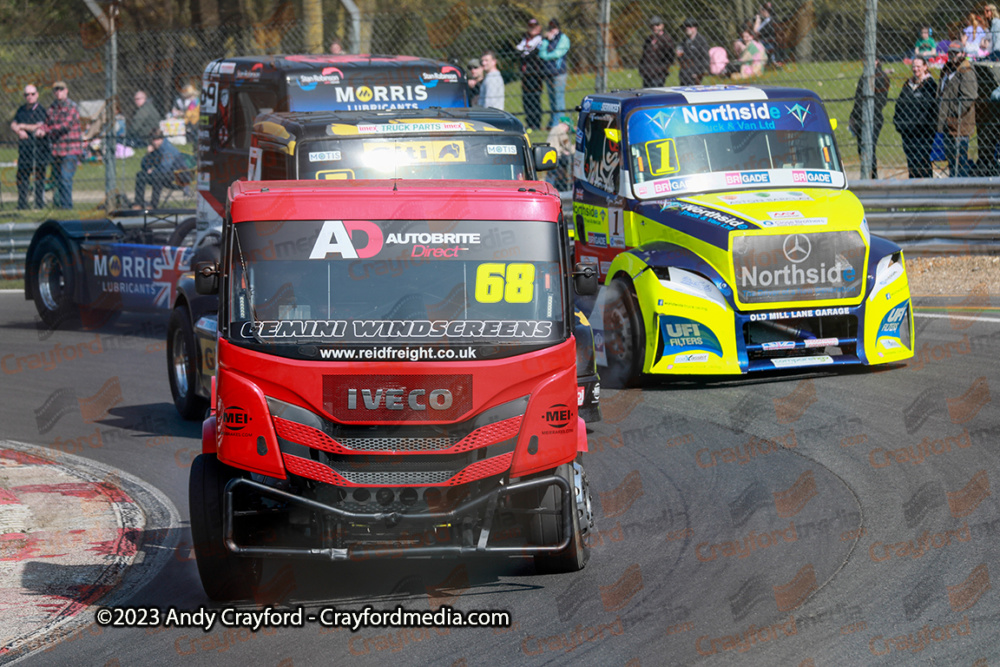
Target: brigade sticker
812	176
597	240
761	197
227	68
324	156
501	149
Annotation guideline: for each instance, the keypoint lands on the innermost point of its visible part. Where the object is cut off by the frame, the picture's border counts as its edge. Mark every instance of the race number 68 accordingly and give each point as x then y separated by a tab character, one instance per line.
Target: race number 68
513	283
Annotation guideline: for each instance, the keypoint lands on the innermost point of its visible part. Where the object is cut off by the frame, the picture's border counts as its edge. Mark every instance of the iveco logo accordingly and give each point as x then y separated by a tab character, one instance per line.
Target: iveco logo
796	248
437	399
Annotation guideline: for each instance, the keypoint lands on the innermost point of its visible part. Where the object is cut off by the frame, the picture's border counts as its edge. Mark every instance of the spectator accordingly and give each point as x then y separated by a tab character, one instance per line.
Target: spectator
32	151
531	75
186	107
475	81
973	35
62	127
657	55
993	26
145	119
925	46
916	117
957	111
881	83
336	48
718	61
491	94
552	51
157	169
766	28
692	56
563	139
750	57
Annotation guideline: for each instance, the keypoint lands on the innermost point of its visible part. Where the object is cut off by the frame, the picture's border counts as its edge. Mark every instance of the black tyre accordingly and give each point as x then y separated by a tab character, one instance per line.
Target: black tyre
624	336
547	528
179	237
224	576
182	360
53	282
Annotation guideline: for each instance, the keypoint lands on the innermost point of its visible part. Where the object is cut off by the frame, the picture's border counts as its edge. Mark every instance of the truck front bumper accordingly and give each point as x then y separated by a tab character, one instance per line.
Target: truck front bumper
482	510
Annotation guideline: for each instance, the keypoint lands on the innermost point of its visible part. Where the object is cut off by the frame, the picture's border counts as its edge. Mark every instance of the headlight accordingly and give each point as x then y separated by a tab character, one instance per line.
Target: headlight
889	269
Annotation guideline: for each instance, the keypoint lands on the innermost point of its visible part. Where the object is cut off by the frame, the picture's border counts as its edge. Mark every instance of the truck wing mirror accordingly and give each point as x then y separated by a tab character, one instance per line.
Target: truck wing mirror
584	279
206	278
546	157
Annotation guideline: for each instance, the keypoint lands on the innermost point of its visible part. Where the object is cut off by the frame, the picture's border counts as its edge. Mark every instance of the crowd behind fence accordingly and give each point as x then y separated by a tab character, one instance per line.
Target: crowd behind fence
812	44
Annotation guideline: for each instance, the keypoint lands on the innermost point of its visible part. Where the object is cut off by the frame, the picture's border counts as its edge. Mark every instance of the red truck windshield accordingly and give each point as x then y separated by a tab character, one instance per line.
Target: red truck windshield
439	156
396	289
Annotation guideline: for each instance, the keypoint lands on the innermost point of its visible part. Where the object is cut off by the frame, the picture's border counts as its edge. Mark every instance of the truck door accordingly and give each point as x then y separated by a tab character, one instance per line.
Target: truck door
228	117
598	214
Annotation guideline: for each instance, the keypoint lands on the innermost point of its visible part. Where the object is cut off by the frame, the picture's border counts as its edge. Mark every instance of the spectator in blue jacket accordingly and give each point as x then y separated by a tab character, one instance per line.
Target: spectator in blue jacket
157	169
552	51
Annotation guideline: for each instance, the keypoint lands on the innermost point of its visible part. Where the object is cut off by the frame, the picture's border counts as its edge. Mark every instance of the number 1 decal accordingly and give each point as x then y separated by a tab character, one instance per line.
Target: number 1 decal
513	283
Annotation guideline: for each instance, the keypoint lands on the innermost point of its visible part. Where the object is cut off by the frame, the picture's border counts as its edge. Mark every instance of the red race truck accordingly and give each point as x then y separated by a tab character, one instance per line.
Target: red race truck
386	387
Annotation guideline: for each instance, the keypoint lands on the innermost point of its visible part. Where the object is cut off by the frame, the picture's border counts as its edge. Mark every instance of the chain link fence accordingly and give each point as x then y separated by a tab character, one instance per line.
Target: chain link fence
812	44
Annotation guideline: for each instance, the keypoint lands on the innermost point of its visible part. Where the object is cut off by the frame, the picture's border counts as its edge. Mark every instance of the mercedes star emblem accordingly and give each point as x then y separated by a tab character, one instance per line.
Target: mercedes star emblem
796	248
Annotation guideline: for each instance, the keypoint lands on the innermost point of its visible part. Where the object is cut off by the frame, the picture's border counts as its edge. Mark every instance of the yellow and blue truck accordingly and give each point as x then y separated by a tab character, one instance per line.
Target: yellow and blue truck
721	224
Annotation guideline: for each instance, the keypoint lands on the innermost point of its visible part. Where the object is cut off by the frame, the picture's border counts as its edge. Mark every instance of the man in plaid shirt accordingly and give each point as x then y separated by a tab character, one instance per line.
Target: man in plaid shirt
62	126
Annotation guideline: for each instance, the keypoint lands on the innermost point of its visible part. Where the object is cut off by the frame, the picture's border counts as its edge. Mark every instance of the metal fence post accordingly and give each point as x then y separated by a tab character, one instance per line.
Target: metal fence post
603	39
110	111
107	21
868	91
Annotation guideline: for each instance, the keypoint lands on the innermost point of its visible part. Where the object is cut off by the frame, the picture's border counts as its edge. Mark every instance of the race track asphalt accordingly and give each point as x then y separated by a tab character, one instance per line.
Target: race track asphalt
807	518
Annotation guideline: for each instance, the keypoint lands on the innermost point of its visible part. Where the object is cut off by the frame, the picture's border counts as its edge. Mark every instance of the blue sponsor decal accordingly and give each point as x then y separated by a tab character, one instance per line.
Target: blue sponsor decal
891	323
139	277
679	334
704	214
695	119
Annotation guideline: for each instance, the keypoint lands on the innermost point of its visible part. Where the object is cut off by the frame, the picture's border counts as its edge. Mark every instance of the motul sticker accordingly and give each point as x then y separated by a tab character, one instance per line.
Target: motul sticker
501	149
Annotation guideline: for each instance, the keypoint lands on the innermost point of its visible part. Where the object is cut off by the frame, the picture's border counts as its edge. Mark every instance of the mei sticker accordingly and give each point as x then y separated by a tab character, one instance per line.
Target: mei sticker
501	149
227	68
324	156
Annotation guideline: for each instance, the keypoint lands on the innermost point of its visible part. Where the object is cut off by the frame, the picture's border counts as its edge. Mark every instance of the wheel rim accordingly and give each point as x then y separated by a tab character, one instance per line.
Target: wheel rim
583	498
180	362
51	281
622	343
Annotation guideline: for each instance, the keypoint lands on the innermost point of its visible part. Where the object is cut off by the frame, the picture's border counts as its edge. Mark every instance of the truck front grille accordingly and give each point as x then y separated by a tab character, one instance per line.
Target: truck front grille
798	267
322	472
